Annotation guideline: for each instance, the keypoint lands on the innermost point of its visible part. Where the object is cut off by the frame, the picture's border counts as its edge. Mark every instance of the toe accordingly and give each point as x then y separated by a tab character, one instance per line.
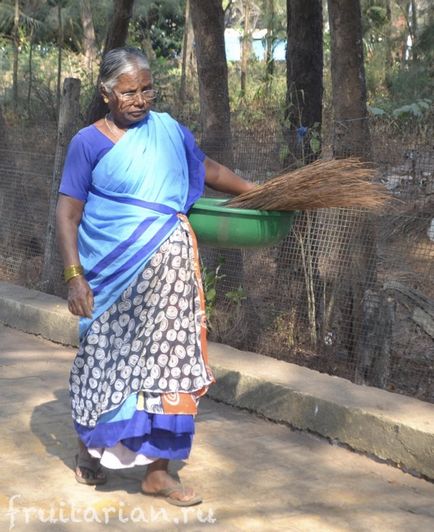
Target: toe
183	494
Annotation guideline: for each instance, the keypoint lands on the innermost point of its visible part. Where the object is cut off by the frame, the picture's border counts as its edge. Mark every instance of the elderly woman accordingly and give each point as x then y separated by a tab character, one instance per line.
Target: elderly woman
131	264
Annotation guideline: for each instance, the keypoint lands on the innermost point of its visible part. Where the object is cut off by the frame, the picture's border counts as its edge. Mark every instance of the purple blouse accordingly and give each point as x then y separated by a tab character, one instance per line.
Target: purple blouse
90	145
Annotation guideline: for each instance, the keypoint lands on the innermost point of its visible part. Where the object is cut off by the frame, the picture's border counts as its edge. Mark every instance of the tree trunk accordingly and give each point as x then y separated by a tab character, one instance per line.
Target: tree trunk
59	56
300	274
304	60
269	67
117	35
67	125
8	188
118	31
187	46
29	89
358	254
191	54
89	41
16	43
208	25
404	44
375	345
246	47
413	24
351	131
388	64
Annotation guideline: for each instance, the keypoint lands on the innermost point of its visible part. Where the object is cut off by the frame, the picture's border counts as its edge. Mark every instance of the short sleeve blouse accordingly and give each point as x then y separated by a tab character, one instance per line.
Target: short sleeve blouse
88	147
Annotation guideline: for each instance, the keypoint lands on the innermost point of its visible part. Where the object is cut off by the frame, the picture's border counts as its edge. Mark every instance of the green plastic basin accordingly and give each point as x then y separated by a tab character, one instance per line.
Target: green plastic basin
224	227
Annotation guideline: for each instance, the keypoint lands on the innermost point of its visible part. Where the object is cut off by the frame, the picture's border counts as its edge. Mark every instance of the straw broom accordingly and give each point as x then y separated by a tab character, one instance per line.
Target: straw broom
322	184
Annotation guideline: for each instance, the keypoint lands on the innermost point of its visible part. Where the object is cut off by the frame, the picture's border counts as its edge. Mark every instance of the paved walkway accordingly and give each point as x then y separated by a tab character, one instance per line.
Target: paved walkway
253	474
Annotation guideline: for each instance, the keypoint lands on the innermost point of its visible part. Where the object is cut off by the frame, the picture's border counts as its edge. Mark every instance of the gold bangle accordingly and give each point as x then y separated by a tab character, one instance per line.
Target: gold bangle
73	277
72	271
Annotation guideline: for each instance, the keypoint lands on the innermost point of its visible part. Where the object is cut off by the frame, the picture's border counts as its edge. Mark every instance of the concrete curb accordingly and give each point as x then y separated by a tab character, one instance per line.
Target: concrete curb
37	313
389	426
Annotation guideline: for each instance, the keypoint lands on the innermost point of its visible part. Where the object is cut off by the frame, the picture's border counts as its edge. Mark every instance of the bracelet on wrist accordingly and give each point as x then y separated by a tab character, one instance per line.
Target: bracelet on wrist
72	271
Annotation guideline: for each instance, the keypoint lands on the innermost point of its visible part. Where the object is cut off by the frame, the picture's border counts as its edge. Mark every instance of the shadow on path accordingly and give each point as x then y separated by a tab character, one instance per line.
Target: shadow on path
51	422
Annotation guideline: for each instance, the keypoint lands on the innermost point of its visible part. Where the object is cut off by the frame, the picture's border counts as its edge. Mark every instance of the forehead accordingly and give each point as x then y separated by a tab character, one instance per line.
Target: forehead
134	80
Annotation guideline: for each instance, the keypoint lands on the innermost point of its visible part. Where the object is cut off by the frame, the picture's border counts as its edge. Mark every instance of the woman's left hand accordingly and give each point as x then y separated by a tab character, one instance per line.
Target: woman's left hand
80	297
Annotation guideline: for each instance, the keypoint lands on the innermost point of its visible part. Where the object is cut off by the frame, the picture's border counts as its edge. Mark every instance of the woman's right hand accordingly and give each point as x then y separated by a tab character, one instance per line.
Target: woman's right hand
80	297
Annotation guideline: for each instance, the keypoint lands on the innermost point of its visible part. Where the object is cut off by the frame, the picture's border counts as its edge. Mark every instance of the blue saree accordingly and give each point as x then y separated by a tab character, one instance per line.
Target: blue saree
120	230
142	362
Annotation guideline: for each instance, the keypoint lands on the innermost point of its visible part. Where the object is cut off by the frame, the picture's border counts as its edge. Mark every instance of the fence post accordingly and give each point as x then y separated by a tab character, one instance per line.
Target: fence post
8	185
381	364
68	122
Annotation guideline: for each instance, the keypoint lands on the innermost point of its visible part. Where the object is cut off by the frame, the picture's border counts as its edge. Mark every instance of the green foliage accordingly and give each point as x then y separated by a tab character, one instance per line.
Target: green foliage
162	22
374	20
396	72
210	279
376	111
399	87
236	296
413	110
414	118
27	21
39	19
42	104
425	43
262	98
315	138
58	3
377	15
411	83
417	109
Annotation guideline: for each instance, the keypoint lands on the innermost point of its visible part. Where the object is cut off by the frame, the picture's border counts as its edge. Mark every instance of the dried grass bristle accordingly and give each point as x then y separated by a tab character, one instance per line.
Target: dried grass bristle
322	184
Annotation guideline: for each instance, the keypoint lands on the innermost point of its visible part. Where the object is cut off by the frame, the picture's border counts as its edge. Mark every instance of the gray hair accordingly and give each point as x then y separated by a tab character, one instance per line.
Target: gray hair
121	61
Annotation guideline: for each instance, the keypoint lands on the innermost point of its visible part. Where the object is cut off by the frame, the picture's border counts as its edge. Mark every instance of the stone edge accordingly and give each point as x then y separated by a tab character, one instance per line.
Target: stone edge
361	430
37	313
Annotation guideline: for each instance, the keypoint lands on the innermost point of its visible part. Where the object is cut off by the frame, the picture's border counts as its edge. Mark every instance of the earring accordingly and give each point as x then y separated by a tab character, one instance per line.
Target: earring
106	100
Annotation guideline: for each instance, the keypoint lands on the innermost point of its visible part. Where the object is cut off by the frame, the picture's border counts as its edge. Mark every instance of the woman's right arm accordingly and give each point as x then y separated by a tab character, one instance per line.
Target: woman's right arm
68	216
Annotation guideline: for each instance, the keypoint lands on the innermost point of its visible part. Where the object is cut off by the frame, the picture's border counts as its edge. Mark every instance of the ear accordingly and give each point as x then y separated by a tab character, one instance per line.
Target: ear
104	93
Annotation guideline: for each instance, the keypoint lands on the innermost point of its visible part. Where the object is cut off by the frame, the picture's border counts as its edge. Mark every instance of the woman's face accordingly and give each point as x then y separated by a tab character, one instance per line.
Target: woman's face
126	102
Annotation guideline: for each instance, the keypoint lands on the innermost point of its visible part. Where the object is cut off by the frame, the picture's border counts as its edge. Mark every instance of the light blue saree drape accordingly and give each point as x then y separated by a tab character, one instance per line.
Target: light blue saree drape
119	230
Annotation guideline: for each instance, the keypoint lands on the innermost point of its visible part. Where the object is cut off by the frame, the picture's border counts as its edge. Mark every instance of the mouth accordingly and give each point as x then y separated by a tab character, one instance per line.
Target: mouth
138	113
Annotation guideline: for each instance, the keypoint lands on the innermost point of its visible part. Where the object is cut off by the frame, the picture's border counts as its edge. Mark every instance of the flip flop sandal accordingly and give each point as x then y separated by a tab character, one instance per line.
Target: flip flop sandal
92	468
166	493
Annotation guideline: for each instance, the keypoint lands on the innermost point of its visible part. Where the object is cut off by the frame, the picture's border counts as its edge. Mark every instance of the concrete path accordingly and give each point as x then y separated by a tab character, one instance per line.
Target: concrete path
253	474
392	427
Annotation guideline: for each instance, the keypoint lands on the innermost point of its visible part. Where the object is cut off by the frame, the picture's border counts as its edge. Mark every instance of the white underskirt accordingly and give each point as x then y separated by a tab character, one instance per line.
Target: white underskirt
119	457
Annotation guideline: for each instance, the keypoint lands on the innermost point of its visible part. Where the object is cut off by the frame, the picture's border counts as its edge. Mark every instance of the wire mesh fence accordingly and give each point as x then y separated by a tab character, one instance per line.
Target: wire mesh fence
346	292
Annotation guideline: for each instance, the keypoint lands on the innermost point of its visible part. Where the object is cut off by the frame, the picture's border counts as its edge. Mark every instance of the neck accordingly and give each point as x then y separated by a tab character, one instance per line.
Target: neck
118	125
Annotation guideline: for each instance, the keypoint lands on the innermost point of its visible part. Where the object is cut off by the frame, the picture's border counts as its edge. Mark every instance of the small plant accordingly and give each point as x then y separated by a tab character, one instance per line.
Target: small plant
236	296
315	138
413	110
210	279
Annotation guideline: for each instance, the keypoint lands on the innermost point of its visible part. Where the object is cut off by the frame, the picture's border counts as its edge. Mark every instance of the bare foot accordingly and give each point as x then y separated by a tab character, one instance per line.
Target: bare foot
158	482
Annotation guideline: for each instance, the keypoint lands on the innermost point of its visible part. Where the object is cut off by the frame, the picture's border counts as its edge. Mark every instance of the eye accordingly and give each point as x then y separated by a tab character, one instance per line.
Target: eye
128	94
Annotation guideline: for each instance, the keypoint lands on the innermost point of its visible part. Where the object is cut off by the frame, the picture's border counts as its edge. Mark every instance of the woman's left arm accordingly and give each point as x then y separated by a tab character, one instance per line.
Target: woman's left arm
220	178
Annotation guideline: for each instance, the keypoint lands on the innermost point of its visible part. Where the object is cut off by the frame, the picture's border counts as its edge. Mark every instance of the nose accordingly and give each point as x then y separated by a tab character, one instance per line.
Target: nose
142	100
